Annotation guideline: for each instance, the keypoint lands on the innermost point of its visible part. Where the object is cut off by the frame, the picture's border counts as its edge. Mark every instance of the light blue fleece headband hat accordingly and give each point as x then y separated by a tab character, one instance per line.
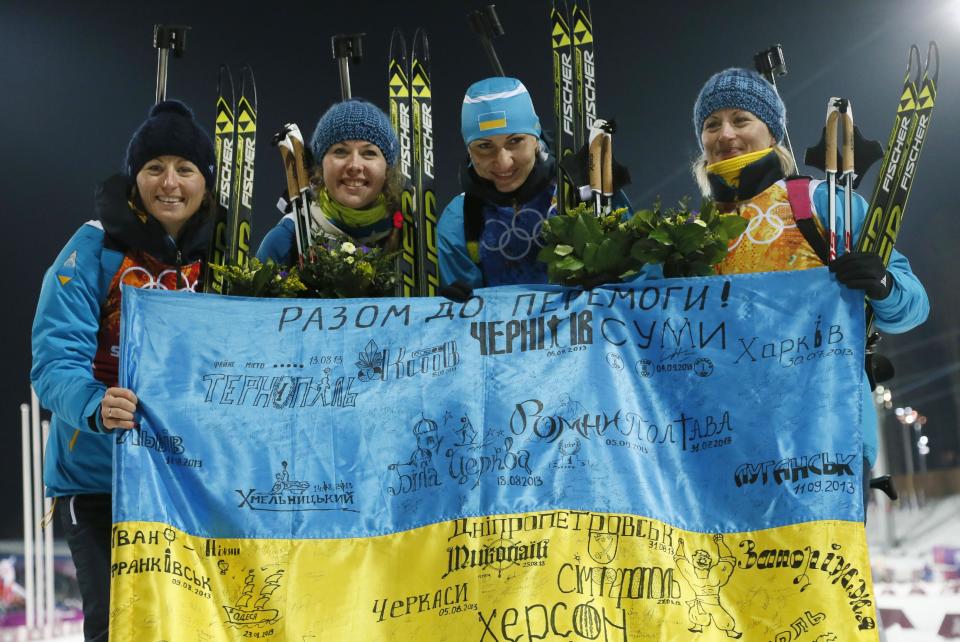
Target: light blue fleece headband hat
497	105
744	89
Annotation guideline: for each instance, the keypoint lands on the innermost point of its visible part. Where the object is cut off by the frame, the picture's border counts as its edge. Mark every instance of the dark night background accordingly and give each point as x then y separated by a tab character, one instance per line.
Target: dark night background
77	78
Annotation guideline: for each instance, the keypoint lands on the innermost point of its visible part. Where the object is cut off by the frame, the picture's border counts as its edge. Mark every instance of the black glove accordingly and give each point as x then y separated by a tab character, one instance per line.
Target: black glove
863	271
458	291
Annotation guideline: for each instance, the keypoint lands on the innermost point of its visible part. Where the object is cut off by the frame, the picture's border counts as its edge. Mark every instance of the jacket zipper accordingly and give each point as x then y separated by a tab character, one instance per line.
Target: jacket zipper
179	269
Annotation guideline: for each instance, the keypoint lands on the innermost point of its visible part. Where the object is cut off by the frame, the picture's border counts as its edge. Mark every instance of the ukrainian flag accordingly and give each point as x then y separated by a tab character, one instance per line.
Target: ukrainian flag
632	463
492	120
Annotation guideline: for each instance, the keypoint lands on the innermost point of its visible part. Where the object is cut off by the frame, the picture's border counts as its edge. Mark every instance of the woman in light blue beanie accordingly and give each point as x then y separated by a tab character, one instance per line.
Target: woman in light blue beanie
356	180
490	234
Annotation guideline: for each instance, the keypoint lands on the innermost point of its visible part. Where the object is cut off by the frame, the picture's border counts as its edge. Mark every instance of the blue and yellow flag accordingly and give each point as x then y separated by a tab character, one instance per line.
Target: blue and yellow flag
677	460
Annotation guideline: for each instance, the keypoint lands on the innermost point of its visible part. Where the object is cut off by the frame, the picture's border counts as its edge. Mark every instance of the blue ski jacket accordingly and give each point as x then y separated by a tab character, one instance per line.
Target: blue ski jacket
75	336
508	233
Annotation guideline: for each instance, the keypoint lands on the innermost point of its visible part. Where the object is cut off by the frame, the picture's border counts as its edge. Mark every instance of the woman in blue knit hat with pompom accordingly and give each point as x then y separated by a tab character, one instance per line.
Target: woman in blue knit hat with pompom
740	123
356	180
152	230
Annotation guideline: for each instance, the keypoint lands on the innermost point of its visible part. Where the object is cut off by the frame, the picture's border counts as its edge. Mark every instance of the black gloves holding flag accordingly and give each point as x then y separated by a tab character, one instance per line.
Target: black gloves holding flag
863	271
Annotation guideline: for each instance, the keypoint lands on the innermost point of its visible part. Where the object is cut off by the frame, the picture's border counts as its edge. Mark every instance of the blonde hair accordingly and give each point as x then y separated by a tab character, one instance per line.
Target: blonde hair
699	168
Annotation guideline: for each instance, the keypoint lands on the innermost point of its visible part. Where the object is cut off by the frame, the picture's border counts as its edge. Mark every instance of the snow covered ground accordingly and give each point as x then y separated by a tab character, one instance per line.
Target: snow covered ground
915	556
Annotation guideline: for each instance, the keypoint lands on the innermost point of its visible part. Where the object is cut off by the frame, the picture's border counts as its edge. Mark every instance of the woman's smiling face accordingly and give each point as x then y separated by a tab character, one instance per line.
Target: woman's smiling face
732	132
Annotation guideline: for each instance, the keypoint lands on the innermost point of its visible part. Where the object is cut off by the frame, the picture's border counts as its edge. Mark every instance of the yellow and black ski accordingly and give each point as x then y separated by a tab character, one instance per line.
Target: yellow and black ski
241	212
899	166
563	99
584	70
223	142
235	142
398	100
428	270
895	180
893	158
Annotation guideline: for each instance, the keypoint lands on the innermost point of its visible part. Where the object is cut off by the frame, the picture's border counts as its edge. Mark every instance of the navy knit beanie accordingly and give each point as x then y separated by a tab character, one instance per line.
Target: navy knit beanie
170	130
736	88
354	119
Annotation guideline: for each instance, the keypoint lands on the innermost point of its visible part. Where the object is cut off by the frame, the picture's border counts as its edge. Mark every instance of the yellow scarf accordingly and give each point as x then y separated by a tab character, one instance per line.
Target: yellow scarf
729	169
339	213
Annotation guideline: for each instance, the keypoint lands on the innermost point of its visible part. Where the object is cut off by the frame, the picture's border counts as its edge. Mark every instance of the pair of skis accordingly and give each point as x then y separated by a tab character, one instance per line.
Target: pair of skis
899	164
574	87
235	135
410	109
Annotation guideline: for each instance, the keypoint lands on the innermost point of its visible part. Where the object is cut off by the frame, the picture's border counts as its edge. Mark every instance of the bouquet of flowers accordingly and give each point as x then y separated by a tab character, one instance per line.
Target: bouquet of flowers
581	249
332	269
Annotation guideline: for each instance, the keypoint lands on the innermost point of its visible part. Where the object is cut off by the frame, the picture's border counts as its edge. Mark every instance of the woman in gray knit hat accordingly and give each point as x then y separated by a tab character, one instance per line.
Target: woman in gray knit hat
356	179
152	230
740	121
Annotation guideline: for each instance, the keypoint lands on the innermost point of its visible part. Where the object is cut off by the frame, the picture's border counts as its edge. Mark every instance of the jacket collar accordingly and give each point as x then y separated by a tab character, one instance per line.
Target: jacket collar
539	178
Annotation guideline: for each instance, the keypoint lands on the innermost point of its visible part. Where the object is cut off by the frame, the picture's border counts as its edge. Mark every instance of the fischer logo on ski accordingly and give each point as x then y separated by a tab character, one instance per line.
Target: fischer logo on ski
563	99
398	100
241	219
585	70
223	140
428	265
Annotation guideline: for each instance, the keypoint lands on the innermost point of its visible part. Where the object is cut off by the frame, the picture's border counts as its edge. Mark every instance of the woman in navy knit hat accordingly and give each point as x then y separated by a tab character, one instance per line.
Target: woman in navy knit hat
740	121
152	229
356	180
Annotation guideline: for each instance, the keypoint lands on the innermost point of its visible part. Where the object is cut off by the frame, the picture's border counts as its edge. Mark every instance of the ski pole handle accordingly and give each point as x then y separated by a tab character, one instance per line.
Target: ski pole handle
830	155
301	224
289	170
166	39
846	114
347	47
295	139
607	171
848	140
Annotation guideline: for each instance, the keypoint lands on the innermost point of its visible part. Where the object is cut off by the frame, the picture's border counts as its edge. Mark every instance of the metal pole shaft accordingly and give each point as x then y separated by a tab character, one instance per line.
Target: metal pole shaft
344	79
786	134
49	619
162	56
27	517
37	502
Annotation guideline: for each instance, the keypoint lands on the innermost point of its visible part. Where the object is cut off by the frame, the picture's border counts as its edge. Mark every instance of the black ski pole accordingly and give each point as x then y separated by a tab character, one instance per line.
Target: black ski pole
487	25
347	48
166	39
771	63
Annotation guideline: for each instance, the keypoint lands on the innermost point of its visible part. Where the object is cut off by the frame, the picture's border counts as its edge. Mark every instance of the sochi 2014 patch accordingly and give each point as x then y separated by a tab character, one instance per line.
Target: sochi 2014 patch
68	270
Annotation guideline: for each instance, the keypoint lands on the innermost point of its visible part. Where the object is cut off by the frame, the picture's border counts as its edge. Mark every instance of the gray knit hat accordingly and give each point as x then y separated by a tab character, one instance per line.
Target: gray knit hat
736	88
170	130
354	119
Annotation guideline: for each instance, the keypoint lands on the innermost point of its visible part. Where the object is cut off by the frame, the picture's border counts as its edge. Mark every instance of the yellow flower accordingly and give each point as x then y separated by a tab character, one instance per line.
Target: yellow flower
366	269
348	247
